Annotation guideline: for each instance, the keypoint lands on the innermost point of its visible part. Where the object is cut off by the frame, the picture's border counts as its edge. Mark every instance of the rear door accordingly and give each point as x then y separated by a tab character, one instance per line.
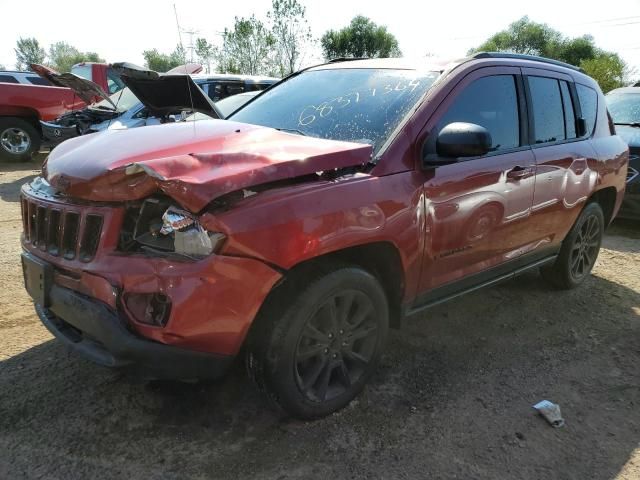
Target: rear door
478	209
562	153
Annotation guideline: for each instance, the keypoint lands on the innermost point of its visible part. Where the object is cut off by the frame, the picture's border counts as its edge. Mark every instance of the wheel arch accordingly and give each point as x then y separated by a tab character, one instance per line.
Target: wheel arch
606	198
23	113
380	259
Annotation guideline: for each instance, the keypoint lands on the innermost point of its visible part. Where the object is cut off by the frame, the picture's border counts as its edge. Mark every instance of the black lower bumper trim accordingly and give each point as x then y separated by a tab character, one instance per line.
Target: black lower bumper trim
97	332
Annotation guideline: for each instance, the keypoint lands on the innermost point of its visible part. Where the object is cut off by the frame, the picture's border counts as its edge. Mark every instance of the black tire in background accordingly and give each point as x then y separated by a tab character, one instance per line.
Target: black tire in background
316	344
579	250
19	139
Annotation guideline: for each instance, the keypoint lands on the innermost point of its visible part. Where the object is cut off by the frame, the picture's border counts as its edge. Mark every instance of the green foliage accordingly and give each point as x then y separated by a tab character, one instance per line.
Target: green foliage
291	34
247	48
162	62
362	38
63	56
205	52
607	69
525	36
28	51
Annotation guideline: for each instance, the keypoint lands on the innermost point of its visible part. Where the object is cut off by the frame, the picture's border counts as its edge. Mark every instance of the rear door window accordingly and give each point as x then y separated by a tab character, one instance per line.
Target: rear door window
548	112
491	102
219	90
589	106
8	79
38	81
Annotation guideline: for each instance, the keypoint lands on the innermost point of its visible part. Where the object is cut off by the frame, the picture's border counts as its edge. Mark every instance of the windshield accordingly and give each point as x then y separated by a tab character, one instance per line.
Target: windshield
124	100
358	105
624	107
228	105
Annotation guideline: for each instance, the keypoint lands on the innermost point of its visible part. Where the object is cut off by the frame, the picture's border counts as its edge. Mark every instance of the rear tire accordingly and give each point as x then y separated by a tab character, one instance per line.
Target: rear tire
19	139
313	351
579	250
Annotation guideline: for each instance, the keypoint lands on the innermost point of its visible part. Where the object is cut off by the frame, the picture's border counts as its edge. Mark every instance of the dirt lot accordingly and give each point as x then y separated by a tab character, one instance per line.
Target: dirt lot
452	399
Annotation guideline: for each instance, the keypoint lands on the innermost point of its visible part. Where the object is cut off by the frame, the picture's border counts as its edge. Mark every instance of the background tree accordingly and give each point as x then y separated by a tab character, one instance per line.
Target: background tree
525	36
162	62
247	49
608	69
63	56
291	34
205	52
362	38
28	51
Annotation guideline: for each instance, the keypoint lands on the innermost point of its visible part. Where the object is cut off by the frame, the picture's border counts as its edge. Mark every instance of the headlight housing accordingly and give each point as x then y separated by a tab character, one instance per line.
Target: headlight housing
158	227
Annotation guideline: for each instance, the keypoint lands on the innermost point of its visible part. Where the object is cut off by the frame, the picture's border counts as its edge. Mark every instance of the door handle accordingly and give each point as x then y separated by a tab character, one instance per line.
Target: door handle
518	173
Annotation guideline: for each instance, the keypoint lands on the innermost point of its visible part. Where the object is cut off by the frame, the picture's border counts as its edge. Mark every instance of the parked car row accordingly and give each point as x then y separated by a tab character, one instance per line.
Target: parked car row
26	98
44	106
317	216
150	98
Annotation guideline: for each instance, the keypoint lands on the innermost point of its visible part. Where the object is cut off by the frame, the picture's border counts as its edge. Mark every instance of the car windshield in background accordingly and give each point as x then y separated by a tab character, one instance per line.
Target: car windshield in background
351	104
624	108
124	100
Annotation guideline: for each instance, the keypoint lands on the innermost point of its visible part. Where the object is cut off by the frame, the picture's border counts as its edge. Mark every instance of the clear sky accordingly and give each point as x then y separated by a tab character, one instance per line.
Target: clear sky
120	30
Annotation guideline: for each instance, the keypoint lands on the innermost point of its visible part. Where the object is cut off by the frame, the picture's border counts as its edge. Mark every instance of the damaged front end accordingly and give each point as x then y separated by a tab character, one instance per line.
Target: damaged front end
155	226
74	124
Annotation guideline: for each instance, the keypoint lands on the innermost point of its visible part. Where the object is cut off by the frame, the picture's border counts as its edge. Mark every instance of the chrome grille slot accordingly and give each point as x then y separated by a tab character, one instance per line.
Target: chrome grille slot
90	236
32	222
61	230
53	233
41	227
24	207
70	235
631	174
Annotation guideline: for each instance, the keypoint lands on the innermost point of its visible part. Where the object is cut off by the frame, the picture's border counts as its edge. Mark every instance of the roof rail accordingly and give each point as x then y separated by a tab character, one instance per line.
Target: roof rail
522	56
347	59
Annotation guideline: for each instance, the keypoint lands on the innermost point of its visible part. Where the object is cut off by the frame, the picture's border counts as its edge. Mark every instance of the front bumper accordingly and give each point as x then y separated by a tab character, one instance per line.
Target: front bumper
97	332
55	134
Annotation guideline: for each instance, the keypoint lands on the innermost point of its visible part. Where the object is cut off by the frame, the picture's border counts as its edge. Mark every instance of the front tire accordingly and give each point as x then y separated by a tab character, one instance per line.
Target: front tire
313	354
579	250
19	139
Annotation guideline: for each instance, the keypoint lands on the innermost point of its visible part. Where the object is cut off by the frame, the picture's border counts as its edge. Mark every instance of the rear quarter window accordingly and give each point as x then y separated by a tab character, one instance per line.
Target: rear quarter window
8	79
589	105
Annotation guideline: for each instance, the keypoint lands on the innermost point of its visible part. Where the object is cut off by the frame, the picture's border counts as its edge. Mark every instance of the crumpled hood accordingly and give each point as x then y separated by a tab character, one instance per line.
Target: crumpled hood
192	162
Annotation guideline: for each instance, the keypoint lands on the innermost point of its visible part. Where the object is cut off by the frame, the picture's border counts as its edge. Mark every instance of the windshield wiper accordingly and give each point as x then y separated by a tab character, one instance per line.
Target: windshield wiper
292	130
631	124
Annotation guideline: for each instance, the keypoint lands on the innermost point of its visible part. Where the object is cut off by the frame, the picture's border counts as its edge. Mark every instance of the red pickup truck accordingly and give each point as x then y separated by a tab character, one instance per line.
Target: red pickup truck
23	103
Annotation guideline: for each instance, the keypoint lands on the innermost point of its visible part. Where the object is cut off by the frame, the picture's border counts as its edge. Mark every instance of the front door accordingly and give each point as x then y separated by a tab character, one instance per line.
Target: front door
478	208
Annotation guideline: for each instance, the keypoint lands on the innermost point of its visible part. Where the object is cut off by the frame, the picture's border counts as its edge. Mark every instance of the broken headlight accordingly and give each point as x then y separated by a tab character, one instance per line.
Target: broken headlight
156	226
189	238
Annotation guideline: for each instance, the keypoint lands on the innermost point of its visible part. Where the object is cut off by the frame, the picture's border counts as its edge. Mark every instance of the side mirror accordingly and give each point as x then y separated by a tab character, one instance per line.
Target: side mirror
460	139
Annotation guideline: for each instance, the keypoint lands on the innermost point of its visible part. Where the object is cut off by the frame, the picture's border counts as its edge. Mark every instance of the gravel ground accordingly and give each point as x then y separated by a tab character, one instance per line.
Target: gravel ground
452	398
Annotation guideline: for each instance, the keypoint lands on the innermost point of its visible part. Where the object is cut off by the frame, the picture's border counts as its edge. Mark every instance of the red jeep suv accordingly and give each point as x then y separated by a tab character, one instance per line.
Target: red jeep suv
347	196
